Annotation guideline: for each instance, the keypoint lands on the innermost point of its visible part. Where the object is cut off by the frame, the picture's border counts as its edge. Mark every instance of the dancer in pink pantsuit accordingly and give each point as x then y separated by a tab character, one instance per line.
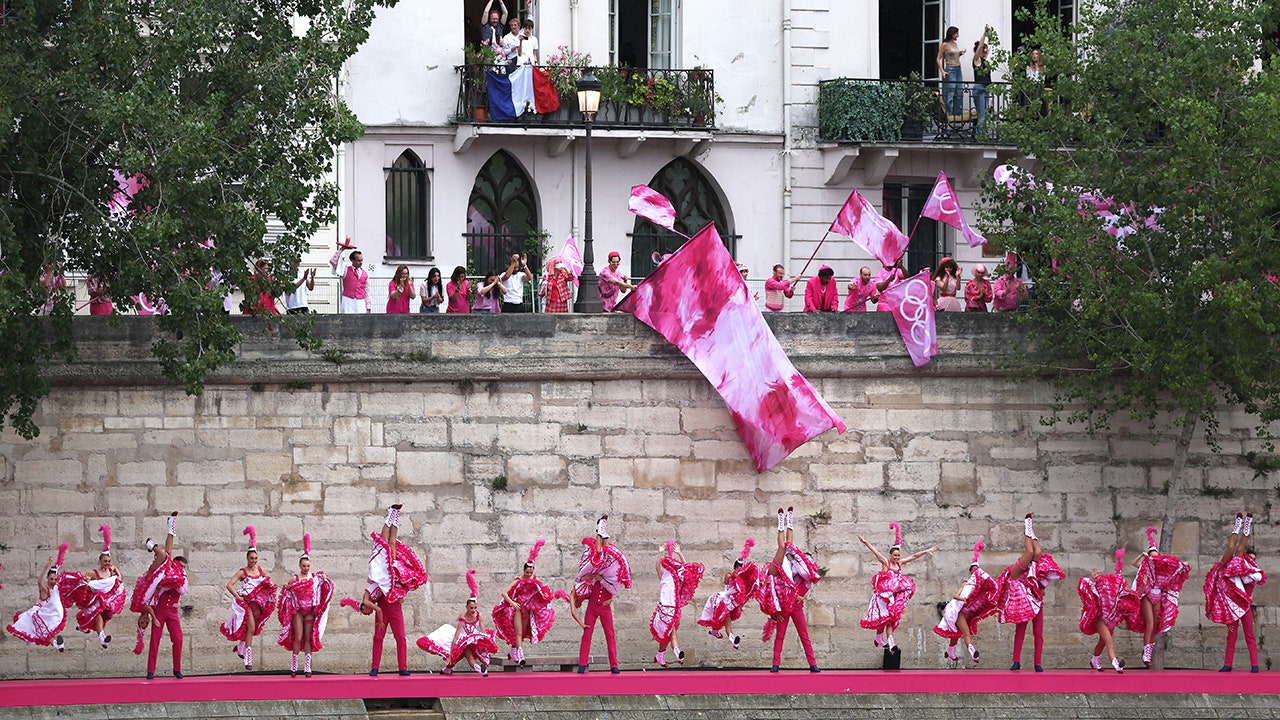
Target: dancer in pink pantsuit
725	607
42	623
1228	591
394	571
253	598
155	598
525	612
974	601
1020	593
602	572
677	582
304	611
1105	602
783	586
469	641
890	589
1159	582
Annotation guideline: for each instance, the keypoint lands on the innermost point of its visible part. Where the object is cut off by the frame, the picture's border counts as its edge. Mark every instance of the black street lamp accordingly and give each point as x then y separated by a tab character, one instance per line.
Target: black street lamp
588	283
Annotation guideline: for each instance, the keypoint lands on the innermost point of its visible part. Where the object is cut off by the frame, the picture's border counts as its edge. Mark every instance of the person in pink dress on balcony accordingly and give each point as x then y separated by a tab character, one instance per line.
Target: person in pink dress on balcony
821	293
458	288
947	281
778	288
400	291
977	292
860	292
555	287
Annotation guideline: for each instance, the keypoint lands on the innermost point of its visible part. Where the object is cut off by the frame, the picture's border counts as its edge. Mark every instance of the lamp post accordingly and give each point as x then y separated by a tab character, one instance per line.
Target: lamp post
588	282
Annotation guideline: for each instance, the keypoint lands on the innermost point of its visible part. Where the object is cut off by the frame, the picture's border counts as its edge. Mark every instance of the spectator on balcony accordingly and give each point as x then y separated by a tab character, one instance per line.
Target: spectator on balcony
612	282
821	293
526	44
431	292
514	279
493	25
296	302
981	77
355	283
947	281
777	289
458	290
948	60
489	295
400	291
860	292
555	287
977	292
511	43
1009	292
888	275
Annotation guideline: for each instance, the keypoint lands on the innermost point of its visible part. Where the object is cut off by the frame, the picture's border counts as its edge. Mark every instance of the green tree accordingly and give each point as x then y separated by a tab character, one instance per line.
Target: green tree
228	111
1162	110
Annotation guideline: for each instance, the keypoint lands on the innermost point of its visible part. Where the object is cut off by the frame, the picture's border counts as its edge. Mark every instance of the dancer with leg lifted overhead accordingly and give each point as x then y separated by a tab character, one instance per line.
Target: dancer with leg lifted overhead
1020	593
1228	591
155	597
602	572
784	585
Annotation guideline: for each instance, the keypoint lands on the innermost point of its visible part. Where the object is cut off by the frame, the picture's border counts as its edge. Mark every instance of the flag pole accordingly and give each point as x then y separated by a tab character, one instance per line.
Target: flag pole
815	251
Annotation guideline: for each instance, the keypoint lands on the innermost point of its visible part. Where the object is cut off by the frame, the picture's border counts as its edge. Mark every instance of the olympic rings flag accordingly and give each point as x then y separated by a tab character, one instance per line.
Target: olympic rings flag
945	208
911	302
697	300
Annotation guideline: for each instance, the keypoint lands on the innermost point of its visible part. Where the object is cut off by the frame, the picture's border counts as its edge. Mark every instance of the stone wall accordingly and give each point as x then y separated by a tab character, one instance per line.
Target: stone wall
580	416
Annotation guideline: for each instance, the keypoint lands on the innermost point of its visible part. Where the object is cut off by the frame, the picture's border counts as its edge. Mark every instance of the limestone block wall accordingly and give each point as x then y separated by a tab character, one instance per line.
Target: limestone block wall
495	432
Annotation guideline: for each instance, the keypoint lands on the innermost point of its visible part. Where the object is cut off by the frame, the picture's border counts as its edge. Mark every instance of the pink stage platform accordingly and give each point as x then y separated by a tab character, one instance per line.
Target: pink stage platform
216	688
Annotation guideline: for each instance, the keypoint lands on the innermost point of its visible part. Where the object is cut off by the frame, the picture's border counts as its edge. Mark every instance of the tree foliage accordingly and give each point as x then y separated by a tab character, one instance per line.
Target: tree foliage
1164	113
227	108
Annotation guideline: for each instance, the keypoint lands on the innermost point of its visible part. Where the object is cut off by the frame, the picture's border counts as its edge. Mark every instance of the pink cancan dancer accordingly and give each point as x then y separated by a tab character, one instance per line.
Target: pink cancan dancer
99	594
304	611
602	572
525	612
677	582
42	623
1020	593
1228	591
1158	584
973	601
155	599
890	589
784	584
723	608
253	598
469	641
1105	602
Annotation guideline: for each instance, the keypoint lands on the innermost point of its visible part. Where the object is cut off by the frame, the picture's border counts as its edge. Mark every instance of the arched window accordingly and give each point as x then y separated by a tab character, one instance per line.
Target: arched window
696	202
408	209
502	215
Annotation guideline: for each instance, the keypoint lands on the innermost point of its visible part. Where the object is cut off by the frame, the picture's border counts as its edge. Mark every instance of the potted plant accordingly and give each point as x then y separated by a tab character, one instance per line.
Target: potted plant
478	60
922	105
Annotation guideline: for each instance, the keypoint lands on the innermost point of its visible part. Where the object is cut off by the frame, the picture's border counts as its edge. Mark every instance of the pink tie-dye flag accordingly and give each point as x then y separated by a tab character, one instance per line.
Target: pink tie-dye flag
698	300
944	208
651	205
572	258
860	222
911	302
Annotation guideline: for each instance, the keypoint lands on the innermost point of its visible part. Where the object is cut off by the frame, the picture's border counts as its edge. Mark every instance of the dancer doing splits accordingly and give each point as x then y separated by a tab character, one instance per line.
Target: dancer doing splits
394	571
1228	591
1159	582
602	572
304	611
155	599
890	589
1105	603
677	582
1020	593
42	622
725	606
525	612
469	641
253	597
100	594
781	592
974	601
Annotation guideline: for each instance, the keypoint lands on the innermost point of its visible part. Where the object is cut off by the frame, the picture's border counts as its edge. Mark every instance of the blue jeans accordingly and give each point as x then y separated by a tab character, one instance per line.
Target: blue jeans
429	308
980	99
953	90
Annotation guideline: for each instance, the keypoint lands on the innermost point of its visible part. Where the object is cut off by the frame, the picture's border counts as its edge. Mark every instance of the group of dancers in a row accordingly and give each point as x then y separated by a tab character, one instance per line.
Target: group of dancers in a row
1147	605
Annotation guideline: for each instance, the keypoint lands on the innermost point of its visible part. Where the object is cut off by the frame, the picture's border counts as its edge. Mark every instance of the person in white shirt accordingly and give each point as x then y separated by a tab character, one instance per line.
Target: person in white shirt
296	301
511	43
527	45
514	278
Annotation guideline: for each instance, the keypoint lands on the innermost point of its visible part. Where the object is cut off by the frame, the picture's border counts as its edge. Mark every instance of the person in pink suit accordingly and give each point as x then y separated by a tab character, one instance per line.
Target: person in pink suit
602	572
394	571
890	589
861	292
99	594
354	297
821	293
304	611
1009	292
977	292
253	598
1020	593
888	276
1158	585
1228	591
781	592
42	623
677	582
973	601
778	288
525	612
469	641
725	607
1105	603
155	598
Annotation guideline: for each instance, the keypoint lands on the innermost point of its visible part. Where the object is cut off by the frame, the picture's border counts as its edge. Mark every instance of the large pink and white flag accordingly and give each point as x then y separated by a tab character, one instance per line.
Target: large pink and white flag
572	258
911	302
945	208
652	205
860	222
697	299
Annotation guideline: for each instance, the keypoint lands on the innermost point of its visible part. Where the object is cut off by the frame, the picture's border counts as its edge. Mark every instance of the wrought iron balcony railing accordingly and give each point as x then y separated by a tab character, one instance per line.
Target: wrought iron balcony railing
629	98
871	111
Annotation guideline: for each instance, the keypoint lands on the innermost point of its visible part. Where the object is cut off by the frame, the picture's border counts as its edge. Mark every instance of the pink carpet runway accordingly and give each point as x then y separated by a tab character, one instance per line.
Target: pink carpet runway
217	688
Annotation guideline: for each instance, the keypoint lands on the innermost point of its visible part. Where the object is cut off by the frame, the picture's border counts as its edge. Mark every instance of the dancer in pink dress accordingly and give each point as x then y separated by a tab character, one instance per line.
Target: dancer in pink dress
890	589
155	599
725	607
1105	603
784	584
394	571
677	582
469	641
602	572
1228	591
525	612
304	611
100	594
253	598
1159	582
974	601
1020	593
42	622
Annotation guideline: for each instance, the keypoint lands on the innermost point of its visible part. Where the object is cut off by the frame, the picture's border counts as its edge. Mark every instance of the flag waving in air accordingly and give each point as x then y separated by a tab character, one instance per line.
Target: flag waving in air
698	300
911	302
944	208
652	206
526	89
860	222
571	257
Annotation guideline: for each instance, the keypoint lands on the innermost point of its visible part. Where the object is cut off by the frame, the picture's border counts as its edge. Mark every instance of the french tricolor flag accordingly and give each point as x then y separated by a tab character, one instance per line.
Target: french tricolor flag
527	88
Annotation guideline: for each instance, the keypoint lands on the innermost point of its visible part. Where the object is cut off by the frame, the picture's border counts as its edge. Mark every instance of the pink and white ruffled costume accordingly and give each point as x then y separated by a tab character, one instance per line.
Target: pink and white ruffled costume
394	582
256	592
440	642
1228	589
977	602
727	604
42	622
1105	598
890	591
309	596
534	598
677	583
1160	580
103	596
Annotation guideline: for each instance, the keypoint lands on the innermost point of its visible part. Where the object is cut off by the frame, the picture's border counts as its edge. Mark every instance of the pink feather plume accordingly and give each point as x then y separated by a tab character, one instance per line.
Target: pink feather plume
1151	537
978	547
746	549
106	537
897	533
252	532
533	553
62	554
671	548
560	595
306	544
471	583
1120	560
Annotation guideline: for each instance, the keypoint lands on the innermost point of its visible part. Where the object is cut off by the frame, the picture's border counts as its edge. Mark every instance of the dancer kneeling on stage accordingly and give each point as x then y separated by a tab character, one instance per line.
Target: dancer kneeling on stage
974	601
155	598
725	606
525	612
677	582
468	641
782	590
602	572
41	624
253	598
304	611
890	589
1105	603
1228	591
1020	593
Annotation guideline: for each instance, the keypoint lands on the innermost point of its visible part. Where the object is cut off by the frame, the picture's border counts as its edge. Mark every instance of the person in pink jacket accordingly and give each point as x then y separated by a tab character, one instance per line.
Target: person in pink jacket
977	292
861	291
821	293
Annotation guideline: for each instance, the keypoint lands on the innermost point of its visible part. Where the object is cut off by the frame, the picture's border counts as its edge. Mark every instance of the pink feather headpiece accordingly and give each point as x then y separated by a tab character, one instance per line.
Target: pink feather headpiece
106	538
473	585
253	537
746	550
671	548
1120	560
306	545
62	556
897	534
1151	539
978	547
533	553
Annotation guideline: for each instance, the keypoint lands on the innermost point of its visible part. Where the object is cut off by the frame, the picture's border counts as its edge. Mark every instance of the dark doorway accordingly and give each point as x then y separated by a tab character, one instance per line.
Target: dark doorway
1022	29
902	206
901	27
633	33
